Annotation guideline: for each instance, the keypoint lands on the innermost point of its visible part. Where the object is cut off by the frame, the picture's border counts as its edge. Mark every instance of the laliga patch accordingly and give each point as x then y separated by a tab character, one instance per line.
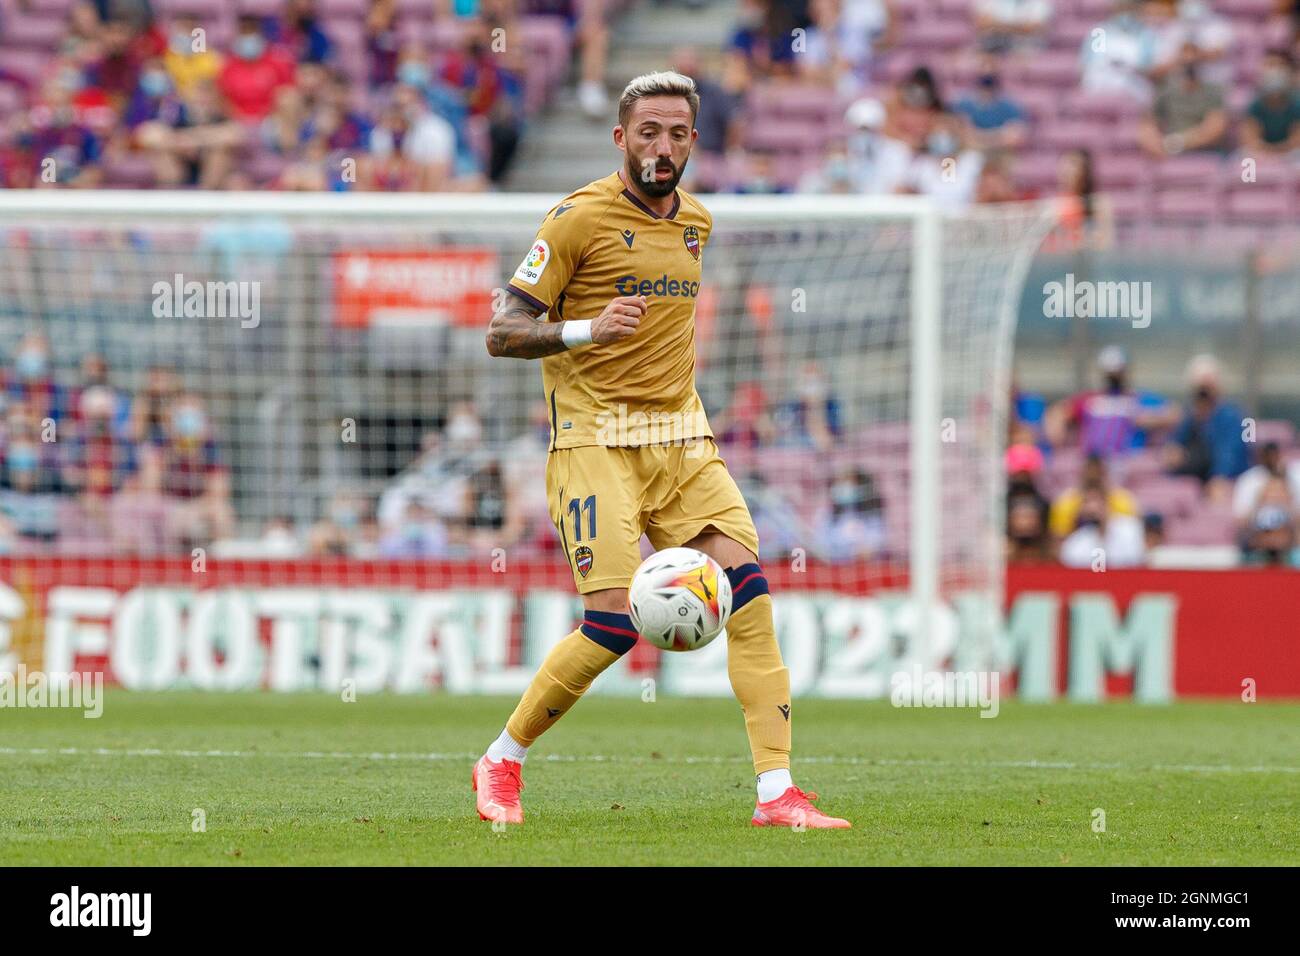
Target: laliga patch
534	264
691	236
583	559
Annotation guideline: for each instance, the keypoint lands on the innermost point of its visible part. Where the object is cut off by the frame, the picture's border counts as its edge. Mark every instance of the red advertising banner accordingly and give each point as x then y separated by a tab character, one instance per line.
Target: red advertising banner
420	288
472	628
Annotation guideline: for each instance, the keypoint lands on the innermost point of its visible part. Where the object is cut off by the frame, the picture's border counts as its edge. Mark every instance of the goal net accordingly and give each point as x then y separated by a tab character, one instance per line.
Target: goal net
241	429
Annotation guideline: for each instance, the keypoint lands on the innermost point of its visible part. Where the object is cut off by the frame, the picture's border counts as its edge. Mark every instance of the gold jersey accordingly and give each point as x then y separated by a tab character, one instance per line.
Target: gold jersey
599	243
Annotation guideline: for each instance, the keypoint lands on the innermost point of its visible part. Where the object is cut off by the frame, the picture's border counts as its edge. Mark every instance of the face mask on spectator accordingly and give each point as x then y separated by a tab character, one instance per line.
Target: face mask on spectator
70	79
412	73
189	423
155	83
31	364
181	43
1271	517
249	46
941	143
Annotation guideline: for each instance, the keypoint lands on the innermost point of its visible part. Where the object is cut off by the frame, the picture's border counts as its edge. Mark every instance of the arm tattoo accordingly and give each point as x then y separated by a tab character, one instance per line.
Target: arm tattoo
515	331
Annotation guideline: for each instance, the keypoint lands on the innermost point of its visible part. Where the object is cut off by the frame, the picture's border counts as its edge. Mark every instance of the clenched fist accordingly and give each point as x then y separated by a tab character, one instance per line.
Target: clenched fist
619	320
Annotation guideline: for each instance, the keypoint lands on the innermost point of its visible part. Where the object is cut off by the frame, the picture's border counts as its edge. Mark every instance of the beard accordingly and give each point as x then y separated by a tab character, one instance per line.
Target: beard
655	187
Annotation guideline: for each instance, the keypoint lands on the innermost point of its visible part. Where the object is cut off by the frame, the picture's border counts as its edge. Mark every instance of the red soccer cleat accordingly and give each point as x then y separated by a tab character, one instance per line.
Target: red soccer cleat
794	809
497	783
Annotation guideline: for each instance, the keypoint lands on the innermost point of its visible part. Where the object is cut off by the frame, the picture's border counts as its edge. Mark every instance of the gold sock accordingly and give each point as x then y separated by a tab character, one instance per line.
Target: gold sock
564	676
761	682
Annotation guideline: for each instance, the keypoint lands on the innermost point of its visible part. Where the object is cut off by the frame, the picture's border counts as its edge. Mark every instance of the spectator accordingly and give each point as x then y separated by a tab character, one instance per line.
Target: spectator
747	423
765	37
492	94
382	42
1109	422
299	31
285	131
1272	122
1188	114
996	182
118	70
1208	443
722	103
152	407
188	60
31	383
945	170
29	486
1250	485
879	164
812	418
993	119
915	112
853	526
185	466
1064	514
1027	508
1102	537
100	462
492	518
411	148
1270	532
837	49
192	143
1121	57
94	374
67	152
1210	35
1085	217
256	69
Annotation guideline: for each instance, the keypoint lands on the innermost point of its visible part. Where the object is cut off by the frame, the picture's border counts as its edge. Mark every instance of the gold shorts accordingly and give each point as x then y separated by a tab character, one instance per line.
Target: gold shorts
603	499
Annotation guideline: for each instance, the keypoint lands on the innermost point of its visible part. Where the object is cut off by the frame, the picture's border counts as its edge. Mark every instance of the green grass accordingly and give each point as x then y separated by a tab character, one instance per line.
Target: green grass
1196	783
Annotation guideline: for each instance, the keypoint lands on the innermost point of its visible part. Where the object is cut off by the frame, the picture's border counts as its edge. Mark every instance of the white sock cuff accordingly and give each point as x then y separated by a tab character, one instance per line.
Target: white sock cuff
506	747
773	783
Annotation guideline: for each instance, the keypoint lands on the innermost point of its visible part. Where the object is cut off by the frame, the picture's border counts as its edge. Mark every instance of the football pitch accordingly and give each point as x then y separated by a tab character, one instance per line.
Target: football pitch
271	779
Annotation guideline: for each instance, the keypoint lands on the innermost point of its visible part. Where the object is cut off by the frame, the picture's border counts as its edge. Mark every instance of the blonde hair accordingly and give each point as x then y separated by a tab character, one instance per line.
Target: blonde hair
660	83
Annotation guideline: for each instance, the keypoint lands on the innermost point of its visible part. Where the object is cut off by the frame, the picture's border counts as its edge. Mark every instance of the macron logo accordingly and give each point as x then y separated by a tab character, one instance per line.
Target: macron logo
134	910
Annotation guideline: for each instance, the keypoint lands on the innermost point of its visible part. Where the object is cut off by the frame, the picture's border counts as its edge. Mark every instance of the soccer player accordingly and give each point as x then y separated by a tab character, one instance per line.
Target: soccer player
606	298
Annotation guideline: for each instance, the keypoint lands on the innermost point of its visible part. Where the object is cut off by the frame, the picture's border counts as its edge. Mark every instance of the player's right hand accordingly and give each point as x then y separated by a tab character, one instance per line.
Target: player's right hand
619	320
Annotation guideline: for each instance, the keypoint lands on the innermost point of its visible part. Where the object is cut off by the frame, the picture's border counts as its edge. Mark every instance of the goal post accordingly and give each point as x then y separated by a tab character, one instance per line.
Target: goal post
301	378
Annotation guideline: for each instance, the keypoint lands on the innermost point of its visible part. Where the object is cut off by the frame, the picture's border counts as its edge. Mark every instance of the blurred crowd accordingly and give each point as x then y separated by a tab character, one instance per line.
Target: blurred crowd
1175	71
276	106
92	465
1099	477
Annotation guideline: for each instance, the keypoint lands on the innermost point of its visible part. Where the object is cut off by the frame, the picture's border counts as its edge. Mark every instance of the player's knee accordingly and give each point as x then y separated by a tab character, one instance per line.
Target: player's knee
610	600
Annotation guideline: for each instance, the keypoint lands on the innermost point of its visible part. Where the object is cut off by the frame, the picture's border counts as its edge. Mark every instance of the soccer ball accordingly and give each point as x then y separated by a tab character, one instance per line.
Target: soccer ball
680	599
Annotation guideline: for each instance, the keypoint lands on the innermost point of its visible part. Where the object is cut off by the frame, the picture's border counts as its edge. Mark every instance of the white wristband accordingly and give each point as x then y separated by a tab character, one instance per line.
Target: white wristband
576	332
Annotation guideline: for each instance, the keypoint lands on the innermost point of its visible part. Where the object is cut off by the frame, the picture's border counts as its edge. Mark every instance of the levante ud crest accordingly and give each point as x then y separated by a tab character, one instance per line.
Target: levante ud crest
691	236
582	559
